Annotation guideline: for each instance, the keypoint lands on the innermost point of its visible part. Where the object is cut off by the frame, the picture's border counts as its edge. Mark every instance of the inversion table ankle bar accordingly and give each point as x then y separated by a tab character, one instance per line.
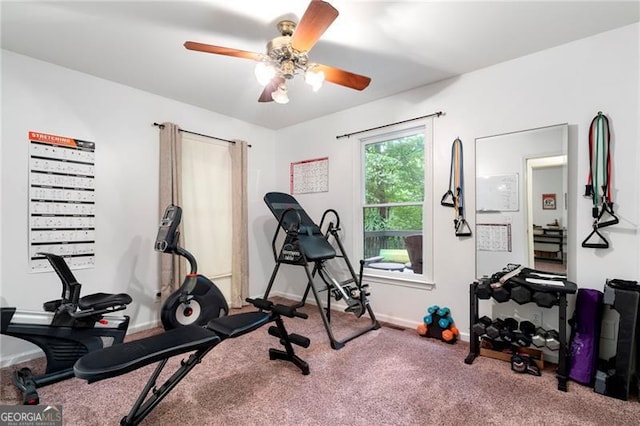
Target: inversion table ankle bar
305	244
124	358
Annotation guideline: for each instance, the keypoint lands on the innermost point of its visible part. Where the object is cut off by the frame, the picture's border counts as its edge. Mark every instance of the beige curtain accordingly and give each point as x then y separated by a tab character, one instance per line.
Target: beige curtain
172	267
240	252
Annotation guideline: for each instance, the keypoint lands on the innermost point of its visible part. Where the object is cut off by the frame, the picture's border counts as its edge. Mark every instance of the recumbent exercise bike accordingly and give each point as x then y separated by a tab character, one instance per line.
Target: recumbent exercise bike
72	326
200	309
69	328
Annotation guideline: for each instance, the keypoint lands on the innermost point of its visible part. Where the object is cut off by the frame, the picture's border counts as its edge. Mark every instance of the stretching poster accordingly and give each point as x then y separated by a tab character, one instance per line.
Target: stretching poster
62	204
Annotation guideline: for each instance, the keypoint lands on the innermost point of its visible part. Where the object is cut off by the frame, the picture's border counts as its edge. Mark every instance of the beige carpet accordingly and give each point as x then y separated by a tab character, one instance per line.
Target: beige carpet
385	377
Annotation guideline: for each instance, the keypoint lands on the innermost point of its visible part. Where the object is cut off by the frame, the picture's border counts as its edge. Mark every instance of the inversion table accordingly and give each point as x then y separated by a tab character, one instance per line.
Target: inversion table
307	246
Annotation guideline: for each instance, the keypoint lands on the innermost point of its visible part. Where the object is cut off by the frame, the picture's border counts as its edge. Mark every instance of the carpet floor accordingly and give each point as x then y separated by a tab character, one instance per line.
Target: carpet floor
384	377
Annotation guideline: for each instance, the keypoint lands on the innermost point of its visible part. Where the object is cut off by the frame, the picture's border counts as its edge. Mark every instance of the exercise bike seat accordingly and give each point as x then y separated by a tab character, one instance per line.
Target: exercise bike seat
236	325
91	304
100	301
124	358
103	302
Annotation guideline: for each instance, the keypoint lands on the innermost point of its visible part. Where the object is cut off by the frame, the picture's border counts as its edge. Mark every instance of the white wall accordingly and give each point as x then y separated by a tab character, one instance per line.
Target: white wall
567	84
47	98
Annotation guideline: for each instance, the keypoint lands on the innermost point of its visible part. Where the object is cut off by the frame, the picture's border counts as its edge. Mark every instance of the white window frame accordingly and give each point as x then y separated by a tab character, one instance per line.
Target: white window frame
388	277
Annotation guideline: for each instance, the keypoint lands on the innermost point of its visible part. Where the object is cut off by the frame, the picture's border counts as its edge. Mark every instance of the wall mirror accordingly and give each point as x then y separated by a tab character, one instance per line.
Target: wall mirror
521	200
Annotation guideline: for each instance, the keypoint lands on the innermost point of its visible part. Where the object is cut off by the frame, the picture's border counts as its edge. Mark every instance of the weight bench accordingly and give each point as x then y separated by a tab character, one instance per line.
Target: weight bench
304	245
124	358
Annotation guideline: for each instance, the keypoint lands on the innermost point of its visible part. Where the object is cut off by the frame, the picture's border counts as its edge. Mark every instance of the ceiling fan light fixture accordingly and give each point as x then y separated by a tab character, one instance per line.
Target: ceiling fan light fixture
314	79
280	94
264	72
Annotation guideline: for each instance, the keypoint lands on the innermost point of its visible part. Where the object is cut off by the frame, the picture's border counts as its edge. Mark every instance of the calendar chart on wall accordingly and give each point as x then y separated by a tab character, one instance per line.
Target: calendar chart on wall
62	202
309	176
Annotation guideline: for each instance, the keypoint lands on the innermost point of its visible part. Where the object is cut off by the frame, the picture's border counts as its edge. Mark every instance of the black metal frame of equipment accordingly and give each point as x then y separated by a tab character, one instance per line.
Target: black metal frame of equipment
306	244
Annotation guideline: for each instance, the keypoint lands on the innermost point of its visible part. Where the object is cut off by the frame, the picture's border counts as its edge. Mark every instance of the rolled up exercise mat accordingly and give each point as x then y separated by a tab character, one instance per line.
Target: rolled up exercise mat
585	336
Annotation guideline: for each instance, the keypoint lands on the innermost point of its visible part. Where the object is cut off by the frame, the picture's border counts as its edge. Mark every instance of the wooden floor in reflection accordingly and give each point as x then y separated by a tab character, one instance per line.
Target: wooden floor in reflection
554	267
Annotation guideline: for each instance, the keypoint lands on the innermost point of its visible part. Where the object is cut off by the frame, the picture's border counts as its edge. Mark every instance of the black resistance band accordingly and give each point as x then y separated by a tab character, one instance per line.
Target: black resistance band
454	197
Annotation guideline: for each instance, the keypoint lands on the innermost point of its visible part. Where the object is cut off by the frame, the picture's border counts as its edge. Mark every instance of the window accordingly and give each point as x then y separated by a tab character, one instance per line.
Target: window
206	203
395	208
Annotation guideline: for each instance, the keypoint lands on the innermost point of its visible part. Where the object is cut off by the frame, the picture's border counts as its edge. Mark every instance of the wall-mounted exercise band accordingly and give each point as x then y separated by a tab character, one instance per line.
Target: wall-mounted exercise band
598	186
454	197
347	135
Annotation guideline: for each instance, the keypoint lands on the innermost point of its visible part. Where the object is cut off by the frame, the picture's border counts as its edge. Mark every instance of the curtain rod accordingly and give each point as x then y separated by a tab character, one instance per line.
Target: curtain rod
347	135
199	134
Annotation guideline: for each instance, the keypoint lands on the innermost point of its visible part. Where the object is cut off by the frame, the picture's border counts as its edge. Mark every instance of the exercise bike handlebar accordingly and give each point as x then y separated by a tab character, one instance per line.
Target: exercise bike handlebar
284	310
190	258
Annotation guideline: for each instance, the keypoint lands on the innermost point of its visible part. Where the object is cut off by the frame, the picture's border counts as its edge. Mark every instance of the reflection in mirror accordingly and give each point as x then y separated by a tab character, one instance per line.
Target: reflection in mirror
521	200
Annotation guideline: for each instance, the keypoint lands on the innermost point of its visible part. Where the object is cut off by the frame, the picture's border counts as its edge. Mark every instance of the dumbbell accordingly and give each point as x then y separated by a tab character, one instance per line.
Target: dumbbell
444	311
539	338
543	299
483	289
493	330
445	322
501	293
523	337
480	327
521	294
552	340
507	332
422	329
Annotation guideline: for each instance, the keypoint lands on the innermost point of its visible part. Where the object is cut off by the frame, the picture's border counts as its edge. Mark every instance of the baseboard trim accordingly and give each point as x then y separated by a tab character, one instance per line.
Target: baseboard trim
395	322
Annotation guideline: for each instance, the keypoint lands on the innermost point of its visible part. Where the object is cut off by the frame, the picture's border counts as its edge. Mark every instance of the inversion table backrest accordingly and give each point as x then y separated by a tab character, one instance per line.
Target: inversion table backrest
314	244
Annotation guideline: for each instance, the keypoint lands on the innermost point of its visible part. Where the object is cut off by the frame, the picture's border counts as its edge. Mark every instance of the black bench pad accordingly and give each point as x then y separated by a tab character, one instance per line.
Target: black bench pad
316	247
126	357
239	324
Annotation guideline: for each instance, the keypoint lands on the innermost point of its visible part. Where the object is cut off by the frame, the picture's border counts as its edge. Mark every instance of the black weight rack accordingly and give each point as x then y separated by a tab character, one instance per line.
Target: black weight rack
560	293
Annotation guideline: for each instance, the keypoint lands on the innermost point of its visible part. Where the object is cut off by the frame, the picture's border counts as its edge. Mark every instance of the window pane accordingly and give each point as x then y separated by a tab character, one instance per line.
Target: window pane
394	170
385	229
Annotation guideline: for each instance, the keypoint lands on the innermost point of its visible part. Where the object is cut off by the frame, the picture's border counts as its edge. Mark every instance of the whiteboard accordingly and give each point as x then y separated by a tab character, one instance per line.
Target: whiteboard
497	193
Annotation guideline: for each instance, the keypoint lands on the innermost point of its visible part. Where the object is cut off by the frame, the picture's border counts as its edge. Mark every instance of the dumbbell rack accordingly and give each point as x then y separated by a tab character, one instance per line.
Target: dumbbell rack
560	294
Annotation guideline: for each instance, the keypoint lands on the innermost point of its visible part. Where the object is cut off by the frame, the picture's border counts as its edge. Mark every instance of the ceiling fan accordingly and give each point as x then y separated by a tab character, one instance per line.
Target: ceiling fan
288	55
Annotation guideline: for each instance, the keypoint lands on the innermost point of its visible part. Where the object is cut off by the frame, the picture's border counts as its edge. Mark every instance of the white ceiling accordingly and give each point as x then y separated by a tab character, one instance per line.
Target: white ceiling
399	44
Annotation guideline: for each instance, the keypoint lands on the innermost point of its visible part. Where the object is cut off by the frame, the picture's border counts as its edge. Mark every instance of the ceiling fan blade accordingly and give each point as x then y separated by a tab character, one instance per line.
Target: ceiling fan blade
271	87
209	48
343	78
315	21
